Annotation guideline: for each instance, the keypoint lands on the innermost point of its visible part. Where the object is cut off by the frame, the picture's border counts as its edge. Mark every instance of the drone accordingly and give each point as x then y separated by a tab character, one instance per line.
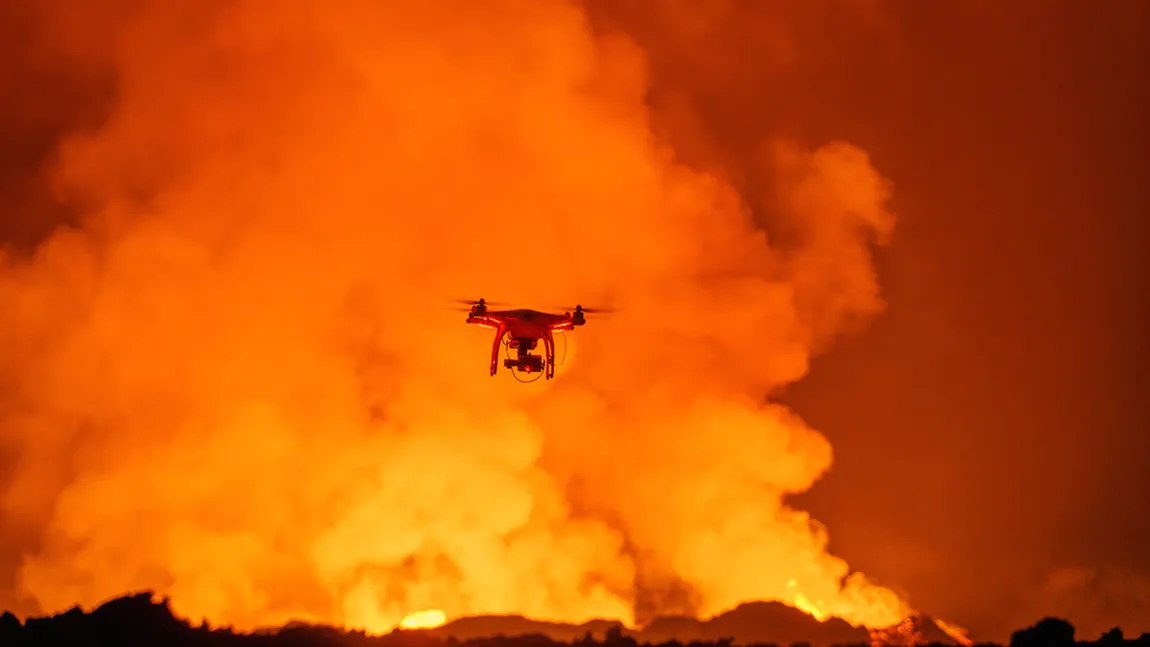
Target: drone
521	330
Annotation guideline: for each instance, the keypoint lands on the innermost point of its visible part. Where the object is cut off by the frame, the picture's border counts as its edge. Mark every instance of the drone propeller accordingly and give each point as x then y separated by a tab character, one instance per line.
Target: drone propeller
466	305
475	302
587	311
595	311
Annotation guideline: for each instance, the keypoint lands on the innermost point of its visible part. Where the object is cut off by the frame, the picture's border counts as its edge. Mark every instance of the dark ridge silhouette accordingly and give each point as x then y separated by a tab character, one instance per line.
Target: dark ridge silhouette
142	620
476	627
754	623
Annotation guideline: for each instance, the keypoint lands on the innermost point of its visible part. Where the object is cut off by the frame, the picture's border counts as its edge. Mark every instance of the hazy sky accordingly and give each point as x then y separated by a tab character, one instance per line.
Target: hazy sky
991	429
993	425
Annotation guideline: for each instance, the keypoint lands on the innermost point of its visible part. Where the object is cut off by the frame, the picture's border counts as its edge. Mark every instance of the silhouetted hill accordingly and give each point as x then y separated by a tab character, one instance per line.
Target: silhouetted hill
474	627
139	620
755	622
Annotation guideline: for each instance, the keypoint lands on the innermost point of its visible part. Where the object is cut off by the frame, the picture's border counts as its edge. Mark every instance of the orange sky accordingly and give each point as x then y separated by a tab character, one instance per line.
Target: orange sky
988	424
1005	381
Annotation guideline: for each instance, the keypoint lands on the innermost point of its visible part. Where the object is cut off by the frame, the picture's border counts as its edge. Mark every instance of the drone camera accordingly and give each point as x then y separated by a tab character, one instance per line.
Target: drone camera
526	364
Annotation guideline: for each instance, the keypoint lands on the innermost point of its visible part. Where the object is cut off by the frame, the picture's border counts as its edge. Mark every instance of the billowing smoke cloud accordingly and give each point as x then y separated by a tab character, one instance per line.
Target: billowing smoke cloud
236	382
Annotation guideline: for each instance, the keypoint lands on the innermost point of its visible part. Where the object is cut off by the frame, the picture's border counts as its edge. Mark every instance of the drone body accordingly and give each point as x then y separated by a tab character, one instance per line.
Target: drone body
522	330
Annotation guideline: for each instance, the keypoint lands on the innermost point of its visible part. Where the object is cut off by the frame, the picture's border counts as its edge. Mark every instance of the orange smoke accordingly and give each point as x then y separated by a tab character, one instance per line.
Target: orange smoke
237	384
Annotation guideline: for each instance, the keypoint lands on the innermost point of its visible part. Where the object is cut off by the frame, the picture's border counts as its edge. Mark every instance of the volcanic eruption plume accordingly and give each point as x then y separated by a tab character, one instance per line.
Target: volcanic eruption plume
235	381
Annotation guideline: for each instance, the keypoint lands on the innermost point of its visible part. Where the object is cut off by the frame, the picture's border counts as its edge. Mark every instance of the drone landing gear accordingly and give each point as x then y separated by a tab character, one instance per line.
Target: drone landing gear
499	334
549	348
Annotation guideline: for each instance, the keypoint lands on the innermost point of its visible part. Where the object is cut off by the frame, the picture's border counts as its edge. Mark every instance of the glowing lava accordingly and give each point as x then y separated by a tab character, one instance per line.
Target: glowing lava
800	602
910	632
958	634
426	619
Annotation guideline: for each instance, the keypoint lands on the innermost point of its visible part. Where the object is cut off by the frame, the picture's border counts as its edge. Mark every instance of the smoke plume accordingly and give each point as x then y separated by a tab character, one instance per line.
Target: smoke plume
235	380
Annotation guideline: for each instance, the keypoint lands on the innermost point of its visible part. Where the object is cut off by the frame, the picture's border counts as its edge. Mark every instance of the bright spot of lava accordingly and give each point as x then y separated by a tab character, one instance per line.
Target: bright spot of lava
426	619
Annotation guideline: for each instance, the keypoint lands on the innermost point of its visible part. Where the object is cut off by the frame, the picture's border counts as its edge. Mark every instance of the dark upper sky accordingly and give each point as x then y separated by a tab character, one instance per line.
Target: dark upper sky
991	427
998	413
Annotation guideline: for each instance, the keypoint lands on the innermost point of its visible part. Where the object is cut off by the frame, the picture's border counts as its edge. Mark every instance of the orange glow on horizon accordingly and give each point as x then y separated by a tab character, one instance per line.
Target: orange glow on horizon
426	619
800	602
